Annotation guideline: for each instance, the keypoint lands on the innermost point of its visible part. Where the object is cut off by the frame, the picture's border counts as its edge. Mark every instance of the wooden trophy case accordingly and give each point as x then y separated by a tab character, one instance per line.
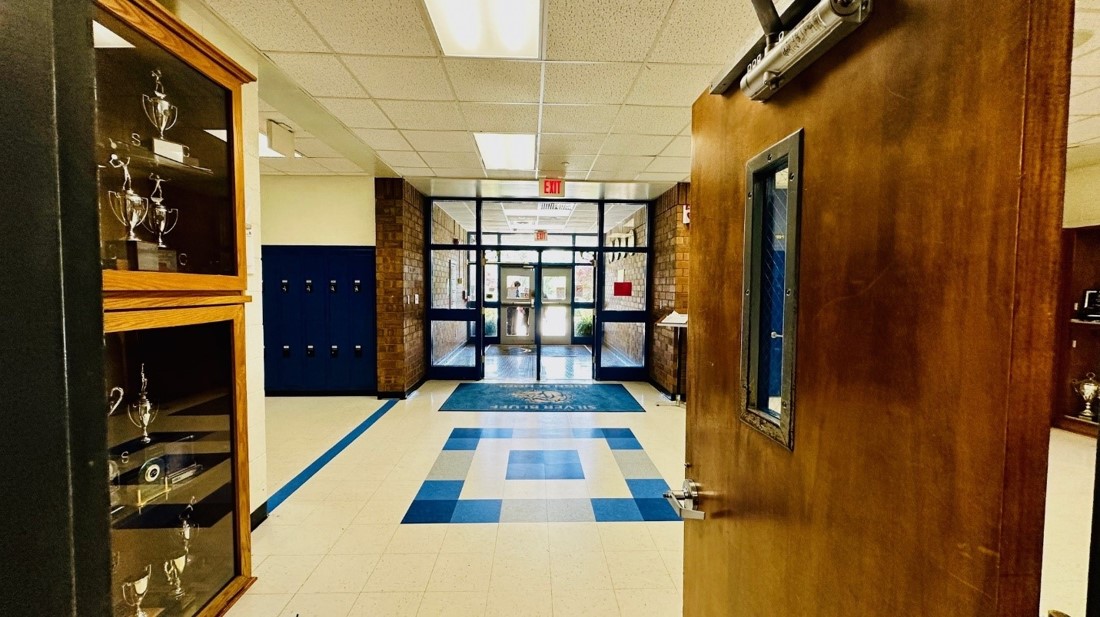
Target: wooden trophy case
170	191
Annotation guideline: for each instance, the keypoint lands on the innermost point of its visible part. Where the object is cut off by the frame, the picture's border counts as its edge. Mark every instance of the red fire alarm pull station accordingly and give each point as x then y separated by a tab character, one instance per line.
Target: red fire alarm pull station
551	187
625	288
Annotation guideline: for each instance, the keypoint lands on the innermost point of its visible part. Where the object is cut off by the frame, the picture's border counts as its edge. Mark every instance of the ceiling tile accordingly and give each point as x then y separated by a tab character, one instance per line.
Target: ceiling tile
661	177
646	120
1079	84
494	118
670	164
578	143
319	74
580	163
401	78
494	81
424	115
265	106
378	27
671	84
612	176
640	145
414	172
680	146
1087	103
506	174
452	160
383	139
278	27
706	32
314	148
357	113
1088	64
297	165
444	172
586	83
396	158
603	30
622	163
1086	33
441	141
578	118
1084	130
339	165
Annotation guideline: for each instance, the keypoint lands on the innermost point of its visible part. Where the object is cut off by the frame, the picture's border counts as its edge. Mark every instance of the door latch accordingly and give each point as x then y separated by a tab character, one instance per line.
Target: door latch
684	501
310	351
309	286
356	286
334	351
284	285
332	286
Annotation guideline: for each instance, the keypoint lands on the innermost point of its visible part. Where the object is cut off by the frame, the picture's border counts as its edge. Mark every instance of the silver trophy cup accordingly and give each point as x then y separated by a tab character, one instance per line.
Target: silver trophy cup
142	412
133	592
1088	388
128	207
114	399
173	569
160	112
162	219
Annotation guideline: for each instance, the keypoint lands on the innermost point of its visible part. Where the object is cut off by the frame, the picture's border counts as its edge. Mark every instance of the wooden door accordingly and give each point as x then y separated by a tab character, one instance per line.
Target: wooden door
932	181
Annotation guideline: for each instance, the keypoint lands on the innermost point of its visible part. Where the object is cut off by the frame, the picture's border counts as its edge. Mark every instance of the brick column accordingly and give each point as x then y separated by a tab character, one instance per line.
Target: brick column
670	283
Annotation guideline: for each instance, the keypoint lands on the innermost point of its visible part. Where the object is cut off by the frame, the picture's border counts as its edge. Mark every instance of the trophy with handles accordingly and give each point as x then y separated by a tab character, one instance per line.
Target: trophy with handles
1088	389
142	412
133	592
162	219
128	207
163	115
173	570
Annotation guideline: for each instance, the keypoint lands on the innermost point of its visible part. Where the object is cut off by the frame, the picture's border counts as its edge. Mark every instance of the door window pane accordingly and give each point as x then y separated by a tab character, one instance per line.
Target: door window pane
555	321
453	222
517	286
769	319
623	345
449	272
517	321
557	257
584	284
583	321
625	281
555	287
492	283
452	344
492	318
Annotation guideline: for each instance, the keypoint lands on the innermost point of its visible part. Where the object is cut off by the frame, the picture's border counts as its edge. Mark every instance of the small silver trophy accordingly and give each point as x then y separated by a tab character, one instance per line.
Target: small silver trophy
128	207
114	399
160	112
133	592
1088	388
161	220
142	412
173	569
186	530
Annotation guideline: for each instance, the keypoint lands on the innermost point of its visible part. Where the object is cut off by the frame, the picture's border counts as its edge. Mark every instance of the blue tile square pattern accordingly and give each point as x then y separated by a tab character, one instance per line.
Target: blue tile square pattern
439	499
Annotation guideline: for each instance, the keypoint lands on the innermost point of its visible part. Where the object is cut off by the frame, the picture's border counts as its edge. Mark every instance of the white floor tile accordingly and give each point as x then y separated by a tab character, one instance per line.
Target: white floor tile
387	604
283	574
461	572
320	605
596	603
340	574
401	572
453	604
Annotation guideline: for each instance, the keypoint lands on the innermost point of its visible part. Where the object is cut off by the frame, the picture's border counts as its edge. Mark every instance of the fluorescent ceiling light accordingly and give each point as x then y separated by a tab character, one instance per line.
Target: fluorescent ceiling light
265	150
104	38
487	28
506	151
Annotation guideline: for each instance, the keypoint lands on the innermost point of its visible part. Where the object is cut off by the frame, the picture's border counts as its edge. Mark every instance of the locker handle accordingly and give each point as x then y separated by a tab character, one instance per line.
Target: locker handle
358	351
310	351
356	286
332	286
284	285
286	351
309	286
335	351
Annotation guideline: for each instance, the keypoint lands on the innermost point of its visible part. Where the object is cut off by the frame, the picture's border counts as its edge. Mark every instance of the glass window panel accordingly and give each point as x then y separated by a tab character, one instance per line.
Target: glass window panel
453	344
625	281
492	320
519	257
584	284
492	283
623	345
555	287
769	319
555	321
625	225
453	222
517	321
583	322
449	279
590	240
492	256
557	257
585	257
518	286
490	238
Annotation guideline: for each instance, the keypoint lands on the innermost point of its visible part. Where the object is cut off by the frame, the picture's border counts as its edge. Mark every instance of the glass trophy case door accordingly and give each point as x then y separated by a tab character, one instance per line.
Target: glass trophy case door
517	306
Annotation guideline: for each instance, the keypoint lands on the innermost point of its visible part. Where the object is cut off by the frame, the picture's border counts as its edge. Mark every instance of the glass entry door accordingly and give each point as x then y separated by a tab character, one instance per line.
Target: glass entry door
517	306
556	319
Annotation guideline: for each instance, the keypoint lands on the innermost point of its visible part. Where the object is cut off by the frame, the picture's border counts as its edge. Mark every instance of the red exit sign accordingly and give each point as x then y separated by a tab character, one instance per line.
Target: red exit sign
551	187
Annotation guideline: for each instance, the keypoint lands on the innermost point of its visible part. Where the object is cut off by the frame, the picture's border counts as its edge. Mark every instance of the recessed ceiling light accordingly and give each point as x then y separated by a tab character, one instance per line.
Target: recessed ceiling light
487	28
104	38
506	151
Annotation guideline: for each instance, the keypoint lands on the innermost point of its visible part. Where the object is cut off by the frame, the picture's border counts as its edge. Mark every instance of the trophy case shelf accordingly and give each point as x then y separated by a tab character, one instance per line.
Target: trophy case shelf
1078	344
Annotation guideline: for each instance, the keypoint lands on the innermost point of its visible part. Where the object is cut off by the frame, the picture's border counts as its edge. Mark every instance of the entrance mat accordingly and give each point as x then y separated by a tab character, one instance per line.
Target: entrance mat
541	398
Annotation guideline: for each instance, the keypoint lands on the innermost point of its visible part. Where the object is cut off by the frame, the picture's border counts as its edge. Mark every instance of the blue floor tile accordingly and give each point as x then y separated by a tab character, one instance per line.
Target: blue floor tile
611	510
623	443
647	488
526	471
441	489
461	443
563	471
617	432
477	511
656	510
496	433
466	433
588	433
430	511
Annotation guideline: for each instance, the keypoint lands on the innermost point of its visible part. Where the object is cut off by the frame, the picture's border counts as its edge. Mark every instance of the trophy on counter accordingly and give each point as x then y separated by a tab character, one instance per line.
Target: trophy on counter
114	399
1088	388
142	412
133	592
161	220
173	569
128	207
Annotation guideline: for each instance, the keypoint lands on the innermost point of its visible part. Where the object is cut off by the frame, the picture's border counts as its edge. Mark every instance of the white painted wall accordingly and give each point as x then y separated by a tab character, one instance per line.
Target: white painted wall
1082	207
196	16
318	210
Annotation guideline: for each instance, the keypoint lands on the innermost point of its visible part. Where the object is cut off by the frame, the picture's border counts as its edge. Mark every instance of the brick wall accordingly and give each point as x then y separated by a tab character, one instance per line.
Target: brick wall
670	283
399	222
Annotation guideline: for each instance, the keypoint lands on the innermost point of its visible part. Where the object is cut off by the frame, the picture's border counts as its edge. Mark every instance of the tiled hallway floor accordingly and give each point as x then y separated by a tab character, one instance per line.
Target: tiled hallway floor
337	546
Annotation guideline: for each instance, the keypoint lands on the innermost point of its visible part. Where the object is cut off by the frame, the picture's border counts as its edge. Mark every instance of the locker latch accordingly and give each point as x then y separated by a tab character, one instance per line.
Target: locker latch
358	351
334	351
332	286
356	286
286	351
309	286
310	351
284	285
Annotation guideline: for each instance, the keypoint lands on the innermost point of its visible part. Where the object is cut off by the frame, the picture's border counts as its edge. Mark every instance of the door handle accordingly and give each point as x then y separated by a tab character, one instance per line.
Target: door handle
684	501
334	351
356	286
309	286
310	351
332	286
776	335
284	286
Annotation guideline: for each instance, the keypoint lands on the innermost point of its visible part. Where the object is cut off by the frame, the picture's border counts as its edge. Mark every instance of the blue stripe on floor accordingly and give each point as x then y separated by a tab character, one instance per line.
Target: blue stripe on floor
281	495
